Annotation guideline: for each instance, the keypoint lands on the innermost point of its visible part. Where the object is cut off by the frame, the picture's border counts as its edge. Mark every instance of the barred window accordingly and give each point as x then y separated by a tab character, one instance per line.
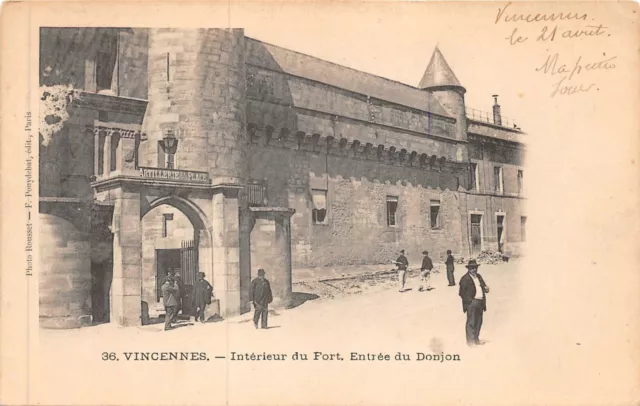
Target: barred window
435	214
392	208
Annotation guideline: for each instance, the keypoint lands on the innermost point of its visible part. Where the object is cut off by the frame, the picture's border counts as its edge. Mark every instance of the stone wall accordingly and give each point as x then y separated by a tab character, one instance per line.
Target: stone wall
196	88
132	63
68	57
356	231
490	206
488	154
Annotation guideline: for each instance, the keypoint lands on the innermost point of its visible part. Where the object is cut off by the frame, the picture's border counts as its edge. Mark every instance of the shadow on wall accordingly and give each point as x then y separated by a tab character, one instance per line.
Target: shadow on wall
268	95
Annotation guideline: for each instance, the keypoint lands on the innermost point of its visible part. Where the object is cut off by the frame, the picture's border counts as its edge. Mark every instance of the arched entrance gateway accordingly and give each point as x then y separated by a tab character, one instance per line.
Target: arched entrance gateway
181	219
175	238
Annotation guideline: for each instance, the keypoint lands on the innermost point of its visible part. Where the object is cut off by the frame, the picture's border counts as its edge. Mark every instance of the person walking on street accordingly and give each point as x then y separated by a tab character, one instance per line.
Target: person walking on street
260	295
169	291
450	267
402	263
202	293
425	272
473	292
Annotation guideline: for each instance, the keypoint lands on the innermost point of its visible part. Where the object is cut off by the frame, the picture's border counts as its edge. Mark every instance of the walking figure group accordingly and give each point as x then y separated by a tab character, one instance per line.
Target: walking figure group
472	290
173	293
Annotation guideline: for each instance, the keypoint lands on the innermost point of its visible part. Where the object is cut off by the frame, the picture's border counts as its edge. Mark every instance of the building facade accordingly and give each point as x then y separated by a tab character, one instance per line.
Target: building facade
206	150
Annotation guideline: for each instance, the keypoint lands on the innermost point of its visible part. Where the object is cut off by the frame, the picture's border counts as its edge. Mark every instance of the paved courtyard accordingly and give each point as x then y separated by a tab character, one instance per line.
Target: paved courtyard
369	318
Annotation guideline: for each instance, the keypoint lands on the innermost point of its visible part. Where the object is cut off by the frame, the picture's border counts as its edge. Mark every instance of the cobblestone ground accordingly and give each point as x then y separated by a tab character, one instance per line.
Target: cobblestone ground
363	315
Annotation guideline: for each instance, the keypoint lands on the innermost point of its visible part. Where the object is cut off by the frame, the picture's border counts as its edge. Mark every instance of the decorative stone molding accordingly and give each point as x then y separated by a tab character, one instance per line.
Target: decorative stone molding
111	131
350	148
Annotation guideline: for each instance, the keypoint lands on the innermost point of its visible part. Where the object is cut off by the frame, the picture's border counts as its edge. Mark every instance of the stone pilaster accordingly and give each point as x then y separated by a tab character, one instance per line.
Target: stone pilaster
126	288
226	250
271	250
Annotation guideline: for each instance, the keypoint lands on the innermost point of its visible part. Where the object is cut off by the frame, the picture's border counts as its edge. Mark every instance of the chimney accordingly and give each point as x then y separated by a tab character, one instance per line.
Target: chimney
497	118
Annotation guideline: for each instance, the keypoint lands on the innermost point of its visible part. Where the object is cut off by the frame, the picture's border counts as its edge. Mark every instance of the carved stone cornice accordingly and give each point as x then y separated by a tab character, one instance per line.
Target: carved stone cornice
106	102
122	130
349	147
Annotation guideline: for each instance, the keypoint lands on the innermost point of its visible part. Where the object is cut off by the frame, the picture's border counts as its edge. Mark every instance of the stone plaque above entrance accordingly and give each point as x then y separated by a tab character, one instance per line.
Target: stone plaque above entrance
175	175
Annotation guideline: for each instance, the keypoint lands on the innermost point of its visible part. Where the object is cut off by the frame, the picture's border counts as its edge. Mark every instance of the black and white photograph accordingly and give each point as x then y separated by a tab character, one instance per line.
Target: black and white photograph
325	204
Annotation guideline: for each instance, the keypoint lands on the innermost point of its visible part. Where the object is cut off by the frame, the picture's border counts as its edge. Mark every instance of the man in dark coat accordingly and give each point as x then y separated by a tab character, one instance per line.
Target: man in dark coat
473	292
450	267
261	296
202	292
425	271
169	291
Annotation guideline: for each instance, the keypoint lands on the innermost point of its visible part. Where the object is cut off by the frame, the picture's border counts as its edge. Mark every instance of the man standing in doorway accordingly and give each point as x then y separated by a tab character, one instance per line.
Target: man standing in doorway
425	271
402	263
260	294
169	291
179	296
474	301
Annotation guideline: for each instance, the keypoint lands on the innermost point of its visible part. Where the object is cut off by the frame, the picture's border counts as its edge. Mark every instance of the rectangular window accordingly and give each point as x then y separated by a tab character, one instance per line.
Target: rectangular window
392	208
520	182
106	61
319	211
497	179
473	180
435	214
523	228
166	218
104	71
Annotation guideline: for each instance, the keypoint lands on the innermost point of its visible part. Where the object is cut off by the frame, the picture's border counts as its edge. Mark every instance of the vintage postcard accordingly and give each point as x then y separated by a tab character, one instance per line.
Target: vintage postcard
320	203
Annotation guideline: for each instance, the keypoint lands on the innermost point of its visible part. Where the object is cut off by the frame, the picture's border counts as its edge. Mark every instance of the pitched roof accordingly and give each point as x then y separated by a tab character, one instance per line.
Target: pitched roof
295	63
438	73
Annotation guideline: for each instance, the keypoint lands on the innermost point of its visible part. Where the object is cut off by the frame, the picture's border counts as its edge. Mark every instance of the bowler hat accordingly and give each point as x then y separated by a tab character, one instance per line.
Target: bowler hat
260	271
472	264
424	252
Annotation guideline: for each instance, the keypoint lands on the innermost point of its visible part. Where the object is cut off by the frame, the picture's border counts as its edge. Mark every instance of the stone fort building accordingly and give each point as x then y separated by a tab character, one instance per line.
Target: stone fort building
206	150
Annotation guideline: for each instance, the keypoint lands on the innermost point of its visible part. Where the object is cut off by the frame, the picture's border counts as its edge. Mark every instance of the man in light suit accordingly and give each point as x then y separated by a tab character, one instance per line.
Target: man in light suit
473	292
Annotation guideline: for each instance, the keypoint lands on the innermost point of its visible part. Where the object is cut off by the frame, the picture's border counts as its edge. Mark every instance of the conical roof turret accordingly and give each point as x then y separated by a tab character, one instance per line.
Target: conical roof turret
439	73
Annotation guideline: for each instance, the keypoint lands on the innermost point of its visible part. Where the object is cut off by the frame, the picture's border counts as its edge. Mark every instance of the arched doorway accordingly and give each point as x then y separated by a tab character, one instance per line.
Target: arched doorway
175	238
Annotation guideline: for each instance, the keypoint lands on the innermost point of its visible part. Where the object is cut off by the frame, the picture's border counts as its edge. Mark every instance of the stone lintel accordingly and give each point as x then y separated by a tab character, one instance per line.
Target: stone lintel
136	181
272	211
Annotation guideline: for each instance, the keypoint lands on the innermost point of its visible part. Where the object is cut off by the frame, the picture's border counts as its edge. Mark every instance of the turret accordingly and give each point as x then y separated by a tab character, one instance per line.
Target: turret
440	80
197	95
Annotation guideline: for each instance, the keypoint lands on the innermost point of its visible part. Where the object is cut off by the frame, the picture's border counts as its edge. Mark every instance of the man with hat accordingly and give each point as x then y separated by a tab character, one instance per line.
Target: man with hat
202	292
402	263
473	292
260	295
425	271
169	292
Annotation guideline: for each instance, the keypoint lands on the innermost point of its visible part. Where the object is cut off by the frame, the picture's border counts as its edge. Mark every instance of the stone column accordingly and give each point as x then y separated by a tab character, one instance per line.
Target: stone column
126	288
282	272
226	250
106	154
271	250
